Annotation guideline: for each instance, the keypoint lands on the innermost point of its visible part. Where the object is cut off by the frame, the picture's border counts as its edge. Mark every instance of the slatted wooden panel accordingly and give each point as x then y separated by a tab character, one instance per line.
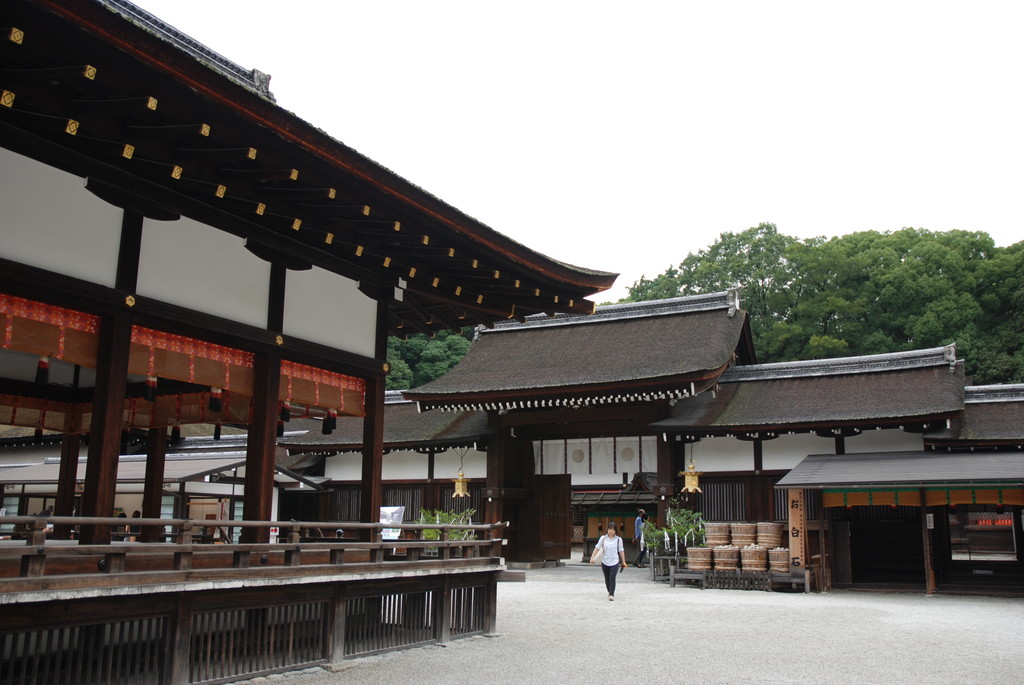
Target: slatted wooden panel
394	621
467	610
722	500
227	644
115	653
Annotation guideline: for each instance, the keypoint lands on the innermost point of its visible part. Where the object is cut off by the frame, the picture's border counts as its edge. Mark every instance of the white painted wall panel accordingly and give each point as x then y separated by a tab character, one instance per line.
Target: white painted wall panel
50	221
326	308
721	454
786	451
192	265
892	440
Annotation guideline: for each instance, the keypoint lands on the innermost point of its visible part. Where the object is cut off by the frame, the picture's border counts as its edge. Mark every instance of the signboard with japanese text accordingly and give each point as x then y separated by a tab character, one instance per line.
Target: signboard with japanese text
797	528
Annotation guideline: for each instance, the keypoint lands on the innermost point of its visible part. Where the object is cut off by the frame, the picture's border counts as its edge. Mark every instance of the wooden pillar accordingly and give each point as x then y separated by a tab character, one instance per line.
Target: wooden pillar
372	489
494	507
114	344
153	490
372	493
926	541
666	469
259	456
70	448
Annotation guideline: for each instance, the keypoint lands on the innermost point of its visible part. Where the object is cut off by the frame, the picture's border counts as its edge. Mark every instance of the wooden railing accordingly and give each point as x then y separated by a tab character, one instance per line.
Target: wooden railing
31	561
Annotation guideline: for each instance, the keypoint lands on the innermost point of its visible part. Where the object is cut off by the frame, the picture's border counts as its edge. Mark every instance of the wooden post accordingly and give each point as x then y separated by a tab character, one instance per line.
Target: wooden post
926	541
259	456
372	493
114	346
153	491
70	448
666	468
179	638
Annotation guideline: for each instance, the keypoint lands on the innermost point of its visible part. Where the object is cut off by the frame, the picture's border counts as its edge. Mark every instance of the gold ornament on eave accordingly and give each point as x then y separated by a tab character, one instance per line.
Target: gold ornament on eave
691	478
461	481
460	485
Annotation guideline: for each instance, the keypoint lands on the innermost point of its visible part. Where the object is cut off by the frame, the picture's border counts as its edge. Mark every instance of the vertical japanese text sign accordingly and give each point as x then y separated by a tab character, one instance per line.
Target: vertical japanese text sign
797	528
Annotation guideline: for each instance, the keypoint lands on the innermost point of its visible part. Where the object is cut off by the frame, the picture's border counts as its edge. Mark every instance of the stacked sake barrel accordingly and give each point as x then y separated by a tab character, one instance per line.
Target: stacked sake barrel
727	557
743	534
754	558
778	560
698	558
769	535
717	534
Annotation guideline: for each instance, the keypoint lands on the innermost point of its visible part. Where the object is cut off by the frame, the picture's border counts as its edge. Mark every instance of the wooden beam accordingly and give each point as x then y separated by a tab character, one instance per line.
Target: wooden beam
372	492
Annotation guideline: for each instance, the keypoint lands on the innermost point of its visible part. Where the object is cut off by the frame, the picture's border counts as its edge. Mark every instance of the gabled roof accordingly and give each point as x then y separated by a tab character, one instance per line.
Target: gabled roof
165	126
877	389
623	353
993	416
404	428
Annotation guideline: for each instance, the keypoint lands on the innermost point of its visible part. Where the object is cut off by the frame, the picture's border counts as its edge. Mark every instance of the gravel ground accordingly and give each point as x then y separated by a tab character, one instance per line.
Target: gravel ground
559	627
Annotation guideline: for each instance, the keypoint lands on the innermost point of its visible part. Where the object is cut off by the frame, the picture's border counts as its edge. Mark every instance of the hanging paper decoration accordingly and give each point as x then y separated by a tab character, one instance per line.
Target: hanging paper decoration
330	422
43	371
215	400
151	389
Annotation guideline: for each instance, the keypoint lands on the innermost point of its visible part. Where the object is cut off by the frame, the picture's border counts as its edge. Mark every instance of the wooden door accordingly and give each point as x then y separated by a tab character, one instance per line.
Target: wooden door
554	493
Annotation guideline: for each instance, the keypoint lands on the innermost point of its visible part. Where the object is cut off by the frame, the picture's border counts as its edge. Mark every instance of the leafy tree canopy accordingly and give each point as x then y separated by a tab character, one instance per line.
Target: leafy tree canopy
866	293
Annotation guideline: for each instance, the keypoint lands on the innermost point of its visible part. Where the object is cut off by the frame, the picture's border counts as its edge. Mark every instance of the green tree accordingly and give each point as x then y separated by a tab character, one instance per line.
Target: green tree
420	359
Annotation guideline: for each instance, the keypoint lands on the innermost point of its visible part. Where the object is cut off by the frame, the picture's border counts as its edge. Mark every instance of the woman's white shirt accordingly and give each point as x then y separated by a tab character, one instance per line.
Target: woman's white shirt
612	547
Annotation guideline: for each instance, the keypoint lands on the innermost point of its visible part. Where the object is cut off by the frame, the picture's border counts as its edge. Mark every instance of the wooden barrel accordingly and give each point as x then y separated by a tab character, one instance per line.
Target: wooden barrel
716	534
727	558
698	558
754	558
743	534
769	534
778	560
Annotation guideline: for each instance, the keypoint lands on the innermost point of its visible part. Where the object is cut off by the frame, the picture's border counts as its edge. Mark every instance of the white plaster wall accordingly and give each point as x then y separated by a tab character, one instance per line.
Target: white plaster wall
889	440
721	454
326	308
49	220
786	451
195	266
402	464
474	464
598	456
409	465
345	466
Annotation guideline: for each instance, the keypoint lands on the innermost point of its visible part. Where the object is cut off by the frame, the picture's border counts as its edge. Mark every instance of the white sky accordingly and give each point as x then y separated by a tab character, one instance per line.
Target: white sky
622	136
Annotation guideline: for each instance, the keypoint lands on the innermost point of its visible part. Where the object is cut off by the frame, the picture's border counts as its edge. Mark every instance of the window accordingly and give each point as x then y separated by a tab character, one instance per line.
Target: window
982	532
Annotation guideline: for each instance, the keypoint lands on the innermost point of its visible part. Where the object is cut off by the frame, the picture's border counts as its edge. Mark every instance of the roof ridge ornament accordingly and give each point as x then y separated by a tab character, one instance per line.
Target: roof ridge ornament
252	79
728	300
982	394
875	363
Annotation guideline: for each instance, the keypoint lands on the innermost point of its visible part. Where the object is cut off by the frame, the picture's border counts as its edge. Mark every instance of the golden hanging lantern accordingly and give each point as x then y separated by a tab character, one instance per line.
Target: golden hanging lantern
691	479
460	485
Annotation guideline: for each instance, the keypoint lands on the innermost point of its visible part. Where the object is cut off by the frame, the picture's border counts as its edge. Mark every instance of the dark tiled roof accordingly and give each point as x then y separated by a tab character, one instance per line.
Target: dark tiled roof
404	427
993	415
619	349
905	386
904	469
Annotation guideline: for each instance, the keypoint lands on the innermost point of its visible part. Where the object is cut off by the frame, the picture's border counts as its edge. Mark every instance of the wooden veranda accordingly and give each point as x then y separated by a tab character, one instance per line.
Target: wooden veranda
177	612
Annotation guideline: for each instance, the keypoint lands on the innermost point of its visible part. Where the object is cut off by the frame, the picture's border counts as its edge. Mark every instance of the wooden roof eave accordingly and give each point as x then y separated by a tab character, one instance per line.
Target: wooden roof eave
366	177
664	388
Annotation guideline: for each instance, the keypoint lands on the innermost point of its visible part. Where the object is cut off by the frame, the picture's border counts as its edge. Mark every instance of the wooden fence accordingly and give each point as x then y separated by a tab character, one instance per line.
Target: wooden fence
183	612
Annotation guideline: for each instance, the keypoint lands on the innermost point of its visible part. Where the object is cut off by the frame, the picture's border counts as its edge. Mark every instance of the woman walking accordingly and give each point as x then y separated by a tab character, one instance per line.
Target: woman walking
610	552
